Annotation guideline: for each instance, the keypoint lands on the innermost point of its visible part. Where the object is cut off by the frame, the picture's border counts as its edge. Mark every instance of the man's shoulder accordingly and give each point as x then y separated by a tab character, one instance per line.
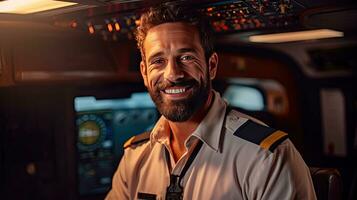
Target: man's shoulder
254	131
137	139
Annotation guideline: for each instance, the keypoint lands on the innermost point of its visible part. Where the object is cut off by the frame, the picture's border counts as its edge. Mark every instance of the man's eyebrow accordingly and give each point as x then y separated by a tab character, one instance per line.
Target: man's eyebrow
185	50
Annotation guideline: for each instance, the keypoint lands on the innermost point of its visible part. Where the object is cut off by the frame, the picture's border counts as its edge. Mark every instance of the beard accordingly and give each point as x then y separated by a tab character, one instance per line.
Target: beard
181	110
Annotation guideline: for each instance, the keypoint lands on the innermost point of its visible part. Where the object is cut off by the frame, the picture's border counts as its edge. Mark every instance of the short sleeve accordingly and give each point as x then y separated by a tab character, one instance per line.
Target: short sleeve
282	175
119	188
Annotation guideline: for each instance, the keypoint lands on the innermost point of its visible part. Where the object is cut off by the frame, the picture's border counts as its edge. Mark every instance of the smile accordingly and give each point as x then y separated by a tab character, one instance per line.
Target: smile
175	91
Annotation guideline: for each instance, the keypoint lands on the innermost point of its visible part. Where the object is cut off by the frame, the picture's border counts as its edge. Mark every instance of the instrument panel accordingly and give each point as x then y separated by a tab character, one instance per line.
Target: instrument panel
116	21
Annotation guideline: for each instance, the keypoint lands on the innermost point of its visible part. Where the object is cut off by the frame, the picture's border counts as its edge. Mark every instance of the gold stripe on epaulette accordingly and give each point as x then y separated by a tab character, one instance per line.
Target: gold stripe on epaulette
267	142
128	142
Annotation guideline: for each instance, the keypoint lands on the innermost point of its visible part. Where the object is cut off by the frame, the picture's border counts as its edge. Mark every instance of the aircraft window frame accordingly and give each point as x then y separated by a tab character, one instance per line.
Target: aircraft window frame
256	88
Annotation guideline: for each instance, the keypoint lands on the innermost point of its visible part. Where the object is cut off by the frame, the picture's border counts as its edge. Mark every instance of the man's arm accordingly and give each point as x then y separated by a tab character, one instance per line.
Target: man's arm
119	184
282	175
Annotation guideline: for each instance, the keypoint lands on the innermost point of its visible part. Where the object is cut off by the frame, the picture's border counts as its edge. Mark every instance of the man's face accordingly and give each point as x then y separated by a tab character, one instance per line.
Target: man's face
175	70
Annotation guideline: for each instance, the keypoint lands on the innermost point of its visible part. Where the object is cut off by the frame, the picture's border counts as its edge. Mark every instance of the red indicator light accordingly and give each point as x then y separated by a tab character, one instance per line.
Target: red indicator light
110	27
91	29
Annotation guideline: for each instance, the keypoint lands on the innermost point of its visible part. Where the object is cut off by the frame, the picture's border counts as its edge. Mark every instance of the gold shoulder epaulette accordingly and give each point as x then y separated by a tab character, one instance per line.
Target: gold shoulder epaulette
137	139
264	136
273	140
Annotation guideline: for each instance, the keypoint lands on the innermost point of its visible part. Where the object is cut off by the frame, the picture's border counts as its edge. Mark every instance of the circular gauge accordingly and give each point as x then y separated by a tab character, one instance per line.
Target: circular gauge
91	131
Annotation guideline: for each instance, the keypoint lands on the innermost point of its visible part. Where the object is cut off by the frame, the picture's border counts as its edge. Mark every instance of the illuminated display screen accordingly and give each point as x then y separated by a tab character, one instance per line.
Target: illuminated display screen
102	128
248	98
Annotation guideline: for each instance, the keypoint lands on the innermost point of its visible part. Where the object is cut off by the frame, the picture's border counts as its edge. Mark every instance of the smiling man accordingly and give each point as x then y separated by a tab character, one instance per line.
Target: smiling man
199	148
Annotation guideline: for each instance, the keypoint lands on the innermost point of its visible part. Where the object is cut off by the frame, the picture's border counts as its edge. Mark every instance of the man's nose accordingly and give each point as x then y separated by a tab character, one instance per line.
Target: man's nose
173	71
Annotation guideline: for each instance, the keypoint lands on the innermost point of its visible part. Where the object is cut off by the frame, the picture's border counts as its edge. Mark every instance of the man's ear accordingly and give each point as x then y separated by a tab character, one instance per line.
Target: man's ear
144	73
213	65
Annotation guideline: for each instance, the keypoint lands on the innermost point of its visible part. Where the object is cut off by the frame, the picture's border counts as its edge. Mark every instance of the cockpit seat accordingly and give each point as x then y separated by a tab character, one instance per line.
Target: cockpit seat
327	183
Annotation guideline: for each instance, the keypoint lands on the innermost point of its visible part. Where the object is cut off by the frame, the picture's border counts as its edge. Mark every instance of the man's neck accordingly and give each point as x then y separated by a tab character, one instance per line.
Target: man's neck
180	131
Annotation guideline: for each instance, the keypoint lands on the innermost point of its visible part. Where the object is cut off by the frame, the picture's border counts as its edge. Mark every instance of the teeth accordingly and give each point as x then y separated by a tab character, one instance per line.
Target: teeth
175	91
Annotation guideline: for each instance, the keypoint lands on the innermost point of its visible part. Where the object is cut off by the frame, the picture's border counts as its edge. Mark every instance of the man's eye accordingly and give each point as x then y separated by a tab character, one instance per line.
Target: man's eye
186	58
157	61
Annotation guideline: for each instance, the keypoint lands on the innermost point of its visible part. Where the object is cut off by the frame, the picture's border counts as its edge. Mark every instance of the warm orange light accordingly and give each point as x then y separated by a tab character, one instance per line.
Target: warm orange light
110	27
91	29
137	22
117	26
296	36
31	6
74	24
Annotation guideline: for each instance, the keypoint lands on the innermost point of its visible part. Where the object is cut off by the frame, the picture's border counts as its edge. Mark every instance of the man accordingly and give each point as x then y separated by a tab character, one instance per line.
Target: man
199	148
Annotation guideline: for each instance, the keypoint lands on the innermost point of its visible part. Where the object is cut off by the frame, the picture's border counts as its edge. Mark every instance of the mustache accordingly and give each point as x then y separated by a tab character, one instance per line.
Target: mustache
165	84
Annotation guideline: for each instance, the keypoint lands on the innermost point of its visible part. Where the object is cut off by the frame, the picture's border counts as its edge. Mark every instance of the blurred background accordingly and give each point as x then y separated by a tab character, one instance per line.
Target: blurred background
71	92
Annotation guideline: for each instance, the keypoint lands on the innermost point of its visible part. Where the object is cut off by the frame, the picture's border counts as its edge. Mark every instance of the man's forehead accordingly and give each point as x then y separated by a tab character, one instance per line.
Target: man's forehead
174	26
179	32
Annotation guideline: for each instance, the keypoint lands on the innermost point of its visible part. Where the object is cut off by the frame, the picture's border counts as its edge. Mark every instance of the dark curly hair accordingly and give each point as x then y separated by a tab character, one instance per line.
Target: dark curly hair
168	12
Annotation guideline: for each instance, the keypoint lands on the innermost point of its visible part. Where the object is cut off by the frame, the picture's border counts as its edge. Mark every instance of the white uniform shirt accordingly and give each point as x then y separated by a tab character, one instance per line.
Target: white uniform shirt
226	167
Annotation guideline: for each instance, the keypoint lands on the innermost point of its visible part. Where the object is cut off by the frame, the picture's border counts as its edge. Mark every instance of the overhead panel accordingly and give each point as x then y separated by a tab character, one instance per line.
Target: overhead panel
224	16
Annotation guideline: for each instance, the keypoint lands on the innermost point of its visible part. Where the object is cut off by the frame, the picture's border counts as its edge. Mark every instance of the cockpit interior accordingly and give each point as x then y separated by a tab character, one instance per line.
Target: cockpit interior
71	92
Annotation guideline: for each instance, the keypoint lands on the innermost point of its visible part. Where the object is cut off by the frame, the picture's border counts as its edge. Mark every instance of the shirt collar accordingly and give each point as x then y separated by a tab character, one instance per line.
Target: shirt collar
161	132
209	130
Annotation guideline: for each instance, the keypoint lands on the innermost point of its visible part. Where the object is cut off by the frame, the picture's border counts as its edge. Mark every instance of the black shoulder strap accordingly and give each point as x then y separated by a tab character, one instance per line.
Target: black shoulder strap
137	139
264	136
